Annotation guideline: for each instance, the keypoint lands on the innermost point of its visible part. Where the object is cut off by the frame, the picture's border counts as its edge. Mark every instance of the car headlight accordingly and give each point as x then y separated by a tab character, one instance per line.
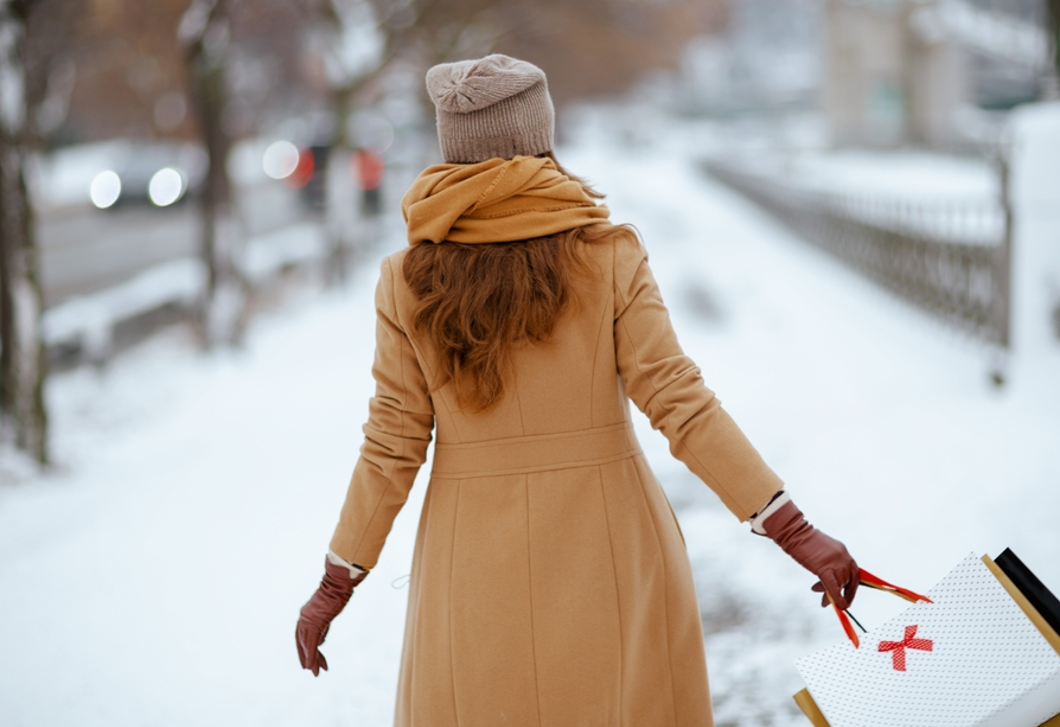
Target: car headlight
105	189
166	187
280	159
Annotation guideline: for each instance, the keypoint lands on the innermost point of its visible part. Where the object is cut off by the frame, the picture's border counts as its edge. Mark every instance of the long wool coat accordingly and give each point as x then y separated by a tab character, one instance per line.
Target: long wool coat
550	584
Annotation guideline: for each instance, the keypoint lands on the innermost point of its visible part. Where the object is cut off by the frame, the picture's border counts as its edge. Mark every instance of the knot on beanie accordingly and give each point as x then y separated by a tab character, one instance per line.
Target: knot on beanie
461	88
492	107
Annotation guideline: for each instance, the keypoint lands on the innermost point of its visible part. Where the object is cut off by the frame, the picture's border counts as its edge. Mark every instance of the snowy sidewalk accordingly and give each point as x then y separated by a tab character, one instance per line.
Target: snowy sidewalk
155	578
881	421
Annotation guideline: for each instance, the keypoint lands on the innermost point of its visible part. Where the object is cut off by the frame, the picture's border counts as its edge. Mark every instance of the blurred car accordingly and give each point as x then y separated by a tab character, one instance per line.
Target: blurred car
158	174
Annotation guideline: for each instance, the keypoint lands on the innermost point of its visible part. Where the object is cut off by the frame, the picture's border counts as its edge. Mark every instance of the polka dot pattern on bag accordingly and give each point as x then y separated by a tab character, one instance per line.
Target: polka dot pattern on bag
988	666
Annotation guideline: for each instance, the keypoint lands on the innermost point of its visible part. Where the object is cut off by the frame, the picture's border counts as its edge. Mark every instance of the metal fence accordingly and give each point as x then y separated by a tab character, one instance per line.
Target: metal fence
951	258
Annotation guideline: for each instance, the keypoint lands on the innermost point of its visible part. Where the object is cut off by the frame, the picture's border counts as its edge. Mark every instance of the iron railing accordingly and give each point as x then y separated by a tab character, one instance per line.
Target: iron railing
950	258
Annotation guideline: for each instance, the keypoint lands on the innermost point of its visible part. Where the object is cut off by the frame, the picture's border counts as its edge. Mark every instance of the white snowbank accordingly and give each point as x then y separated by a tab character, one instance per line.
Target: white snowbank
89	320
944	198
1035	130
178	281
920	176
291	245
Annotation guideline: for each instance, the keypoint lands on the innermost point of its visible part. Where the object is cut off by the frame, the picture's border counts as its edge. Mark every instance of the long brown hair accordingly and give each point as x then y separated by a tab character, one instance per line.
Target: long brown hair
477	301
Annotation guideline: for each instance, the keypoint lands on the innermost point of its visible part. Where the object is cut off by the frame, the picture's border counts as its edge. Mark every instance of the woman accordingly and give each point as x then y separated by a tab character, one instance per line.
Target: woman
550	583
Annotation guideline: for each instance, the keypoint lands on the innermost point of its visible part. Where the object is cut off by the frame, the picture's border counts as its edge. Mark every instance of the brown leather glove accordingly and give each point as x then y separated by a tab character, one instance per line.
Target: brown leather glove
316	616
823	556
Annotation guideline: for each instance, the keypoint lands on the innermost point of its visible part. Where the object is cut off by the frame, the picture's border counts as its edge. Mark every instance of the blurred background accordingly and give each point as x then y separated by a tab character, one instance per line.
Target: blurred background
197	148
202	166
164	160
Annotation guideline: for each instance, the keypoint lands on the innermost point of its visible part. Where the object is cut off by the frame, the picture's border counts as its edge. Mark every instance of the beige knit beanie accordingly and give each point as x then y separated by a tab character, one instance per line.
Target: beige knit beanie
495	106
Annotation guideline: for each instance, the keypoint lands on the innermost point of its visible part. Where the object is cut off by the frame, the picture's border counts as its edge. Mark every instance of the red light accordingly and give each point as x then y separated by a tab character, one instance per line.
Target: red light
367	169
303	172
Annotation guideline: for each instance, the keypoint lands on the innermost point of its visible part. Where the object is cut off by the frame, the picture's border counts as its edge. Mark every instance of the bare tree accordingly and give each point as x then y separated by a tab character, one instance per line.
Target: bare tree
1052	17
205	34
586	47
22	363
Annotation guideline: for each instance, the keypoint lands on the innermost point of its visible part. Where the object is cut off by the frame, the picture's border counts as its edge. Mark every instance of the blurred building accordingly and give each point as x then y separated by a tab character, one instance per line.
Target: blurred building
904	71
766	60
881	73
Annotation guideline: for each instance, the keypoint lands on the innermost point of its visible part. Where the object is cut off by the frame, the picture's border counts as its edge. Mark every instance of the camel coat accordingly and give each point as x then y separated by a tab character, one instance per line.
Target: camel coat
550	583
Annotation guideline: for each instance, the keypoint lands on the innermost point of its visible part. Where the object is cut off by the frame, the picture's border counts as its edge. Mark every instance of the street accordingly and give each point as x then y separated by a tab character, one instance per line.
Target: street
84	249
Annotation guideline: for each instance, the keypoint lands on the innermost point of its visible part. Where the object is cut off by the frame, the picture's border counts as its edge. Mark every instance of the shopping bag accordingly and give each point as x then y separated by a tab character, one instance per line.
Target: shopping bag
978	654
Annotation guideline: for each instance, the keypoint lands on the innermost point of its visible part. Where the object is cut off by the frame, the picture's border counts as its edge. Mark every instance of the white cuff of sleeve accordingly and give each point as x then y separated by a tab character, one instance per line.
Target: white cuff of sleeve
760	517
336	559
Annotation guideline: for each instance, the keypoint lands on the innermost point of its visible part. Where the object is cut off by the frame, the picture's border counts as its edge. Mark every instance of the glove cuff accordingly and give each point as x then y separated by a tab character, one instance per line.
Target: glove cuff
757	520
357	573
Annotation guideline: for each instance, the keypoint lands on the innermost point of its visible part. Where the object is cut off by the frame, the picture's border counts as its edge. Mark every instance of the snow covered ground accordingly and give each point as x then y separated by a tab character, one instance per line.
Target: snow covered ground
907	175
154	577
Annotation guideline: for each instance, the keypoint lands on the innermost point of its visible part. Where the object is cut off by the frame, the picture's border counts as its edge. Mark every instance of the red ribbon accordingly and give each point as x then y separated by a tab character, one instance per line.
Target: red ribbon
897	648
845	621
878	583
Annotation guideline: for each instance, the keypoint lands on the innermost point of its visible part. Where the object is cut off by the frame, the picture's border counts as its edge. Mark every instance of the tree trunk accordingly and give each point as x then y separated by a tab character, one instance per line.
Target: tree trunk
204	32
1052	30
22	362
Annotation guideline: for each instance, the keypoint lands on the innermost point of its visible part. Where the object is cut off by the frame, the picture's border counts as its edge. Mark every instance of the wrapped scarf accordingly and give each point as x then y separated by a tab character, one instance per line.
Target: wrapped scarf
496	201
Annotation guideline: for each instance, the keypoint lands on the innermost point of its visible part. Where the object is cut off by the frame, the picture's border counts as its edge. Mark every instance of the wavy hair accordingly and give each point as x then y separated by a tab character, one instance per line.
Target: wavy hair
476	302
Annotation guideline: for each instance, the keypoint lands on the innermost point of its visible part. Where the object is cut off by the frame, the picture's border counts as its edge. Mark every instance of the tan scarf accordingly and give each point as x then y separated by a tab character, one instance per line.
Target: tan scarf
496	201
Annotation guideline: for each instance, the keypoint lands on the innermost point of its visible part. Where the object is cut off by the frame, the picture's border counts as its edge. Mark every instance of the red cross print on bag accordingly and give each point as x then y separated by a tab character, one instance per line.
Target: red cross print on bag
897	648
867	579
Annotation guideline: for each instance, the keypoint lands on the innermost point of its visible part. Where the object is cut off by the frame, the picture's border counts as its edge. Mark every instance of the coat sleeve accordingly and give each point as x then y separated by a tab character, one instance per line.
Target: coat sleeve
400	421
666	385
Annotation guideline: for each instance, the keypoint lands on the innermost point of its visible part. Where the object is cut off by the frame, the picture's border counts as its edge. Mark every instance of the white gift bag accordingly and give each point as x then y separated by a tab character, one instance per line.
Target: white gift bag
978	655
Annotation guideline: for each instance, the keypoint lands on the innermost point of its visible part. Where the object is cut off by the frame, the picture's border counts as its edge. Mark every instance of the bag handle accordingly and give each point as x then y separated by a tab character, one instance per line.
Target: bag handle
867	579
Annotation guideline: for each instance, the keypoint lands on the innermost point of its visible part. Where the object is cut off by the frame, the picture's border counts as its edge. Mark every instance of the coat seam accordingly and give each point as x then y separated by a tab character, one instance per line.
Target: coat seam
518	403
449	604
415	586
533	438
592	376
618	598
665	593
573	465
401	358
530	590
614	283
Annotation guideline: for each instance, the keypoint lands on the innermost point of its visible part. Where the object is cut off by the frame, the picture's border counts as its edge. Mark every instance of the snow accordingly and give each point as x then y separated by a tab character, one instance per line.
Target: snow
1036	140
154	576
990	33
1035	130
905	174
943	197
89	320
83	317
269	253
